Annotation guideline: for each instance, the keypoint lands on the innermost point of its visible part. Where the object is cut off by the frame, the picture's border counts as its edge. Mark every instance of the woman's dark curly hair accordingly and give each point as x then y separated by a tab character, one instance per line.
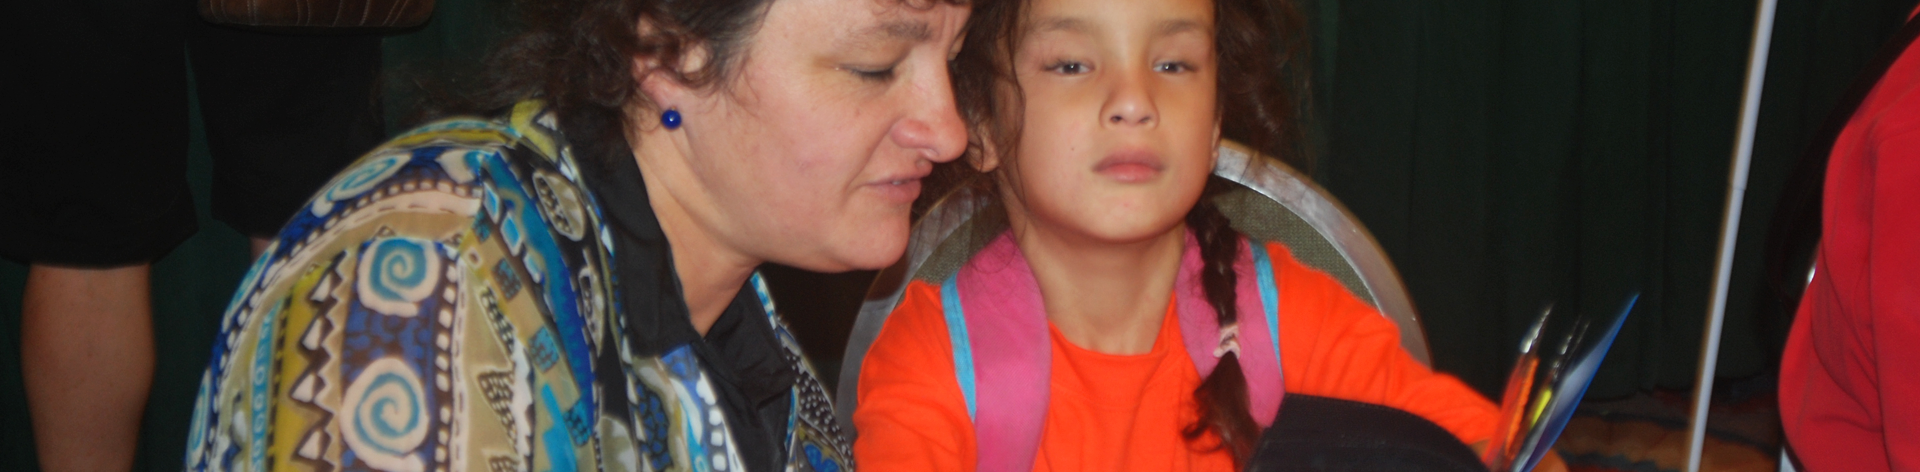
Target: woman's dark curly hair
1262	84
578	56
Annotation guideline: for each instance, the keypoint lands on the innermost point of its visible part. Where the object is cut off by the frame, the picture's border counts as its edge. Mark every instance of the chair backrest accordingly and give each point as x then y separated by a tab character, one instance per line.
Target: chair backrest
1272	202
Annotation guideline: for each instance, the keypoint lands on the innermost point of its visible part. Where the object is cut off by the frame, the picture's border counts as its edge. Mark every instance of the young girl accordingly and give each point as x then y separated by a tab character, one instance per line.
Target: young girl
1100	123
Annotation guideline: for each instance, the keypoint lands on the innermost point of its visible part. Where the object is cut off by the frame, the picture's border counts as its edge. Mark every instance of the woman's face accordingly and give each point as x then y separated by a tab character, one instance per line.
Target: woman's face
1120	127
811	152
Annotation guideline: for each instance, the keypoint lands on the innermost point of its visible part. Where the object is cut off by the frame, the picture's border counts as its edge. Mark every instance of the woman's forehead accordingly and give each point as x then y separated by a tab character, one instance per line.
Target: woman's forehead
880	20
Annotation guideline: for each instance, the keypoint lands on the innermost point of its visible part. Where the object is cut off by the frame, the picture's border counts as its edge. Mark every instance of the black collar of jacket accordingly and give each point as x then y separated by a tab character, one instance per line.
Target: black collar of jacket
740	350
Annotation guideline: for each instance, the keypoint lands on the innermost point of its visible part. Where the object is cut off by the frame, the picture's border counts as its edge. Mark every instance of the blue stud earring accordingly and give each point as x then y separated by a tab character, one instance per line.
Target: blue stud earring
670	119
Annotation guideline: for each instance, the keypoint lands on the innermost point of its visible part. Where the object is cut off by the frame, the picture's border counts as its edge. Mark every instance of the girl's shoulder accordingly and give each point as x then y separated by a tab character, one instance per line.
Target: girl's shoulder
1296	278
919	320
1315	308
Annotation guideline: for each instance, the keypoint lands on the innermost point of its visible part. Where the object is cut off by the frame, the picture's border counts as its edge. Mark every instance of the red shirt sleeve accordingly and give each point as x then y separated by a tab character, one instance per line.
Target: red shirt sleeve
1896	289
1332	344
1848	387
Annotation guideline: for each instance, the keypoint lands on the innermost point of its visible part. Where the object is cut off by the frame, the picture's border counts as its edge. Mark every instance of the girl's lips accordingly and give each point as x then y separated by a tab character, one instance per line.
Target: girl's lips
1130	166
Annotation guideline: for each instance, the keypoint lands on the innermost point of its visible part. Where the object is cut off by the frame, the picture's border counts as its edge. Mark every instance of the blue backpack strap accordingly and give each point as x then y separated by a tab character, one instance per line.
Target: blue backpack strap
1269	293
962	344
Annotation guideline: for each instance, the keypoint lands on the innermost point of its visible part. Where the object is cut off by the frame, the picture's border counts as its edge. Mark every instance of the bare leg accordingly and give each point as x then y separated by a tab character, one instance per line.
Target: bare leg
86	350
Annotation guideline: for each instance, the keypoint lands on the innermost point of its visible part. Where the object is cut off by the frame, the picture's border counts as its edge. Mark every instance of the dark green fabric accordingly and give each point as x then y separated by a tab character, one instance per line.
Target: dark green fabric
1507	153
1514	153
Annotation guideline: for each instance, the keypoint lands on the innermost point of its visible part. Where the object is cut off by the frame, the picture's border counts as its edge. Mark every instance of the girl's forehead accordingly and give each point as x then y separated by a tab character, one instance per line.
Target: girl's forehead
1083	15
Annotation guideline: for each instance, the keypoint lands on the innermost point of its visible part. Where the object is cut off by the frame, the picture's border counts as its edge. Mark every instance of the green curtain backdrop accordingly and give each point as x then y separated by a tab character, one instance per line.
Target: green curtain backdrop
1507	153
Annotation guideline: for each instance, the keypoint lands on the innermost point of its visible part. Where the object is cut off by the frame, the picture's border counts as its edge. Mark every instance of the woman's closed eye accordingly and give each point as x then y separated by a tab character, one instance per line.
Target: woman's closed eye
873	74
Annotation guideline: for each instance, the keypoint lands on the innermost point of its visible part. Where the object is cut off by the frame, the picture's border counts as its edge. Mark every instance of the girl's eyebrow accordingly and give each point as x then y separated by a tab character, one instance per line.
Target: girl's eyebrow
1176	26
1078	25
1060	23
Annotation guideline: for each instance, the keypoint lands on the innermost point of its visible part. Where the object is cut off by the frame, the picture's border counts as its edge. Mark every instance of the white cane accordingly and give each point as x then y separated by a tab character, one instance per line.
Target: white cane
1730	229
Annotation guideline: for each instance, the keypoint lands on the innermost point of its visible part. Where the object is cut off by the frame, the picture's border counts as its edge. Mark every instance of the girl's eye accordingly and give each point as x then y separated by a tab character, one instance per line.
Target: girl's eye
1172	67
1070	67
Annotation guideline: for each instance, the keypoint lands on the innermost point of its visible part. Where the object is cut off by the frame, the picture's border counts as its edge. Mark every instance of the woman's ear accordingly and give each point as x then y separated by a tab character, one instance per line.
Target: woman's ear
664	87
663	83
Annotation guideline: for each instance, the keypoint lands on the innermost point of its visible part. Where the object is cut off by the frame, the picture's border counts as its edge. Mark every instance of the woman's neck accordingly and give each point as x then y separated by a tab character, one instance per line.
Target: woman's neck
1102	296
710	271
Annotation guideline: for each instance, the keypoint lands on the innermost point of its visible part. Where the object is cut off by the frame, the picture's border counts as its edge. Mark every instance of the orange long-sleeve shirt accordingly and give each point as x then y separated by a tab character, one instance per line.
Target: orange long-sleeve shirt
1114	412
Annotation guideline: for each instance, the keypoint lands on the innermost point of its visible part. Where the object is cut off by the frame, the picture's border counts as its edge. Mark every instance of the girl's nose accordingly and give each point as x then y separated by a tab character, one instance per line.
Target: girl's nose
1131	104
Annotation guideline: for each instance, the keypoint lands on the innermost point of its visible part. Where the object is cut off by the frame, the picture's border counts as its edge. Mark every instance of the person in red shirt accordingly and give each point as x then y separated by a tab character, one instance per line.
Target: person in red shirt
1849	393
1102	162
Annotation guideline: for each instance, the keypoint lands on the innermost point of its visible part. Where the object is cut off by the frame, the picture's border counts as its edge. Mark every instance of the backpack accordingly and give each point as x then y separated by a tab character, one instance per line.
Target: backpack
1002	354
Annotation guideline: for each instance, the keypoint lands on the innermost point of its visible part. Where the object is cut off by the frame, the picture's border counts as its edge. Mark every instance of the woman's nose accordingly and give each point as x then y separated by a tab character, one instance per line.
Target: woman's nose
934	127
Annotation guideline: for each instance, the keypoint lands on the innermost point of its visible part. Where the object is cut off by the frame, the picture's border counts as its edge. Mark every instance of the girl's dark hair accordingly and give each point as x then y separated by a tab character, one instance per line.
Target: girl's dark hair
578	56
1262	85
1221	400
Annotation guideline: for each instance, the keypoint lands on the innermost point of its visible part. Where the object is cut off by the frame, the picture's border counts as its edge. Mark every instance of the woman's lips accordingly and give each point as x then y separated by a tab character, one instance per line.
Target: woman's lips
1130	166
901	190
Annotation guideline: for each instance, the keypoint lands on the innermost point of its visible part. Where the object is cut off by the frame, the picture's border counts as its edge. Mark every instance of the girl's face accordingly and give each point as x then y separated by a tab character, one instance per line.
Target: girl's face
1120	122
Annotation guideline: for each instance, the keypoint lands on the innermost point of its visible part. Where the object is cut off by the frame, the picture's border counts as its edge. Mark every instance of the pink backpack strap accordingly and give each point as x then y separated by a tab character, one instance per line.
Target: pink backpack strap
1258	303
1001	325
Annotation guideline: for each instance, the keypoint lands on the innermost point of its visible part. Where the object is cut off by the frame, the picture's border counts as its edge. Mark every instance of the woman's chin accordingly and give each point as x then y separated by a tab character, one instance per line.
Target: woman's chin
872	250
878	253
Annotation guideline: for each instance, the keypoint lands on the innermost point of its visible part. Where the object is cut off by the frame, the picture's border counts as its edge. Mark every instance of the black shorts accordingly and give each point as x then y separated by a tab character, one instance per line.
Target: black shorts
94	167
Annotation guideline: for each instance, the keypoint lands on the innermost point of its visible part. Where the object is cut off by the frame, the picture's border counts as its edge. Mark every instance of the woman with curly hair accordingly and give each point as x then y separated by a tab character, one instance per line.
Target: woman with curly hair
568	280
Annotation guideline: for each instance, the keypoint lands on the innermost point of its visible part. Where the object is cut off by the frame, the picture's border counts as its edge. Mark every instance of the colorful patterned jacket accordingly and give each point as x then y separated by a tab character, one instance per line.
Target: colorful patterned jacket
453	301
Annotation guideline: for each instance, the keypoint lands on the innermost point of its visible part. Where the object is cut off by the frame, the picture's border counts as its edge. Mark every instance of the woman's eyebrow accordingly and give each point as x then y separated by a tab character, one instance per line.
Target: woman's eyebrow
887	34
908	30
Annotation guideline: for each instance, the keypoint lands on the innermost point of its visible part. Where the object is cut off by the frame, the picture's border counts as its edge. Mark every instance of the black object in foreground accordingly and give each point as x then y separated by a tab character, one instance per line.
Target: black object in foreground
1327	434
